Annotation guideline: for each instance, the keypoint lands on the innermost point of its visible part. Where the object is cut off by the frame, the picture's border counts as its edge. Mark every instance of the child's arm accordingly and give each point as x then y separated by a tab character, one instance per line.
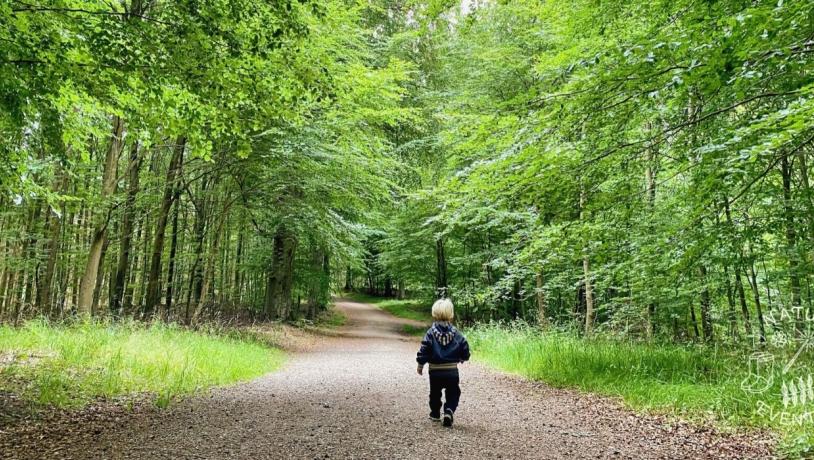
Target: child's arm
424	352
464	349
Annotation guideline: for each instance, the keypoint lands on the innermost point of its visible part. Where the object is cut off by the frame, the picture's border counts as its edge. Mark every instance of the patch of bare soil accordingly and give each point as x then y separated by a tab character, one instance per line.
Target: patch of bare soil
356	395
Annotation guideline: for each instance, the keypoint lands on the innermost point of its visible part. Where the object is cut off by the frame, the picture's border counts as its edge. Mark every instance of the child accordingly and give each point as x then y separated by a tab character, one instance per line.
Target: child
443	347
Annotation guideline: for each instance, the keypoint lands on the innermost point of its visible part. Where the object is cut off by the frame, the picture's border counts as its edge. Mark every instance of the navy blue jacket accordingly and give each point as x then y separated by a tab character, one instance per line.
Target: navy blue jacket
443	344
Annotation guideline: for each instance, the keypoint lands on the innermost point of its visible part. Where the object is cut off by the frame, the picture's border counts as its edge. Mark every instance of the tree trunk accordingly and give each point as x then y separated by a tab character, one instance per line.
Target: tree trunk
730	301
128	219
97	291
401	293
441	285
650	172
706	314
388	286
52	248
541	299
280	275
199	228
586	271
348	279
738	251
694	321
747	324
791	242
758	308
209	270
237	292
315	284
153	287
173	252
88	283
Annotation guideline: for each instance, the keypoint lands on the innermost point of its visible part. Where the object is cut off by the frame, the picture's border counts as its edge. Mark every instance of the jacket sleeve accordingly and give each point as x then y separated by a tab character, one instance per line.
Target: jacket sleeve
425	352
464	349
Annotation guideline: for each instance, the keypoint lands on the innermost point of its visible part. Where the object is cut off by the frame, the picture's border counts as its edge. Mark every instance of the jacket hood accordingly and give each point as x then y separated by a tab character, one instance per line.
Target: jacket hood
443	332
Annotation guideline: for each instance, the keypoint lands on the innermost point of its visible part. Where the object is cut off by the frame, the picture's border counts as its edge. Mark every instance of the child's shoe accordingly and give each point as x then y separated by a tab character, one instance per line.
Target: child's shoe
448	418
435	417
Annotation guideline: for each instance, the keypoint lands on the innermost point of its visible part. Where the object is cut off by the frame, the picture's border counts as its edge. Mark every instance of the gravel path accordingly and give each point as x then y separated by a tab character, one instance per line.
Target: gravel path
356	395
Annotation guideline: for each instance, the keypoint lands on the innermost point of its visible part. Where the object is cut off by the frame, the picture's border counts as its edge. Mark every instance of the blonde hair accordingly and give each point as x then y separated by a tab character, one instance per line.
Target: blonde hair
443	310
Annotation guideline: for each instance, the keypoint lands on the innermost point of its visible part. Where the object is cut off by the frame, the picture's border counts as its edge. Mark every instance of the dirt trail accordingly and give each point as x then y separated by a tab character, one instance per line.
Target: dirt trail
356	395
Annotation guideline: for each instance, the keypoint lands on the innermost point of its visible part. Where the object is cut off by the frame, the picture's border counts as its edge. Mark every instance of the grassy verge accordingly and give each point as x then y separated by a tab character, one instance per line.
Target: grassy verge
331	318
68	366
416	310
698	383
417	331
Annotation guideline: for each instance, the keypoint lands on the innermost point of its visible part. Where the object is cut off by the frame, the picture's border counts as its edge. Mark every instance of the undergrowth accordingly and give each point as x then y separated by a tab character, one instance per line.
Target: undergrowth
692	381
70	365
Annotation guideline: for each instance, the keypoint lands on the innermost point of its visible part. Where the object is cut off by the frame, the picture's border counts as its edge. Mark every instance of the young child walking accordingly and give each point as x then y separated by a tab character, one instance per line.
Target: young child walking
443	347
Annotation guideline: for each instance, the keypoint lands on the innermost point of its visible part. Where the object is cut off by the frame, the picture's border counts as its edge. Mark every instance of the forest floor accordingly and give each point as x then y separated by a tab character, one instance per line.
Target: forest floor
353	393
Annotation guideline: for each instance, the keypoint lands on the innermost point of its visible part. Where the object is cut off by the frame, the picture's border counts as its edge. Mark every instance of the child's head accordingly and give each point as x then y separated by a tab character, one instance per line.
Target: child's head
442	310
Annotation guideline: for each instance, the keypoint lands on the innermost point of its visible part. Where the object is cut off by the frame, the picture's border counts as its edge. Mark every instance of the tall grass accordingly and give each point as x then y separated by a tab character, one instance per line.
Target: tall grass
69	365
696	382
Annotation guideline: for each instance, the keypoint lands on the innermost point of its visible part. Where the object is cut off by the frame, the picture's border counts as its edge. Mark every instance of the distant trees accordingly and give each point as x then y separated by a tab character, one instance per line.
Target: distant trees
652	159
171	158
640	168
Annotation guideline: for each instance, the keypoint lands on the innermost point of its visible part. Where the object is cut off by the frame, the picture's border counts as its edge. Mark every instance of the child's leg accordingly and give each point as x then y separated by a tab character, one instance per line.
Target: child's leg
435	396
452	393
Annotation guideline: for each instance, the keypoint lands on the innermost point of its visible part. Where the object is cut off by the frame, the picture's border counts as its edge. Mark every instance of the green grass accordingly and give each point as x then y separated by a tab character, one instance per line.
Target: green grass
69	366
331	318
409	329
417	310
694	382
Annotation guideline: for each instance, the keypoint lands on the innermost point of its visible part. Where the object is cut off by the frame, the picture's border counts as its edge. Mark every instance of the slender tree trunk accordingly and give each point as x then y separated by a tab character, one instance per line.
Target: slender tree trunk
747	324
516	304
88	283
131	276
756	292
44	303
651	171
153	287
325	281
196	280
30	254
706	314
173	252
237	294
348	279
209	270
128	218
737	250
586	271
730	301
315	285
791	242
441	285
280	275
694	321
541	299
100	278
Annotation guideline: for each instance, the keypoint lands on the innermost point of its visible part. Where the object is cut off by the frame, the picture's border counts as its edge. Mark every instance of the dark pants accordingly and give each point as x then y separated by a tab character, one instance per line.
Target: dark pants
444	380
